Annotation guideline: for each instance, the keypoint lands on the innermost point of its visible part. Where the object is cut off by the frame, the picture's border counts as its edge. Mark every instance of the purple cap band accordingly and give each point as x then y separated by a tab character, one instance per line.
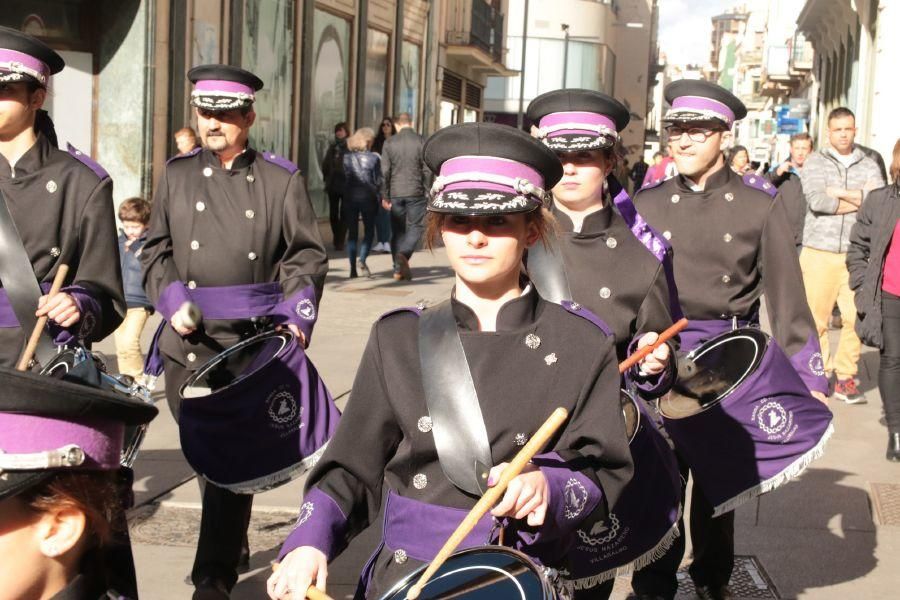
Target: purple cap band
99	439
213	86
13	61
489	165
588	118
699	103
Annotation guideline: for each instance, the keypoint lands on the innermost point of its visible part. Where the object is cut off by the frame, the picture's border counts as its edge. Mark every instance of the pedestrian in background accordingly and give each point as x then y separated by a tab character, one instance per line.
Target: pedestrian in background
873	260
739	160
406	177
835	181
637	172
362	172
134	214
786	177
185	140
333	174
383	218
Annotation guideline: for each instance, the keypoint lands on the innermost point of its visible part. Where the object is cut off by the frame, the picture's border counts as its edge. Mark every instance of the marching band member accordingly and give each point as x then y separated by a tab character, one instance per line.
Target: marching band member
732	244
56	208
511	356
60	444
232	237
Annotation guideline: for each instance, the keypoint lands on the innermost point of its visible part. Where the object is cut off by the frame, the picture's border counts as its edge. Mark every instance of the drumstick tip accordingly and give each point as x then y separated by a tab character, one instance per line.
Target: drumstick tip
413	592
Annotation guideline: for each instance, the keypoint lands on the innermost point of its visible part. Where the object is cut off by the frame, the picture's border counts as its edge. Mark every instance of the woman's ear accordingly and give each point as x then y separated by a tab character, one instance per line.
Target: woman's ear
532	233
60	530
37	99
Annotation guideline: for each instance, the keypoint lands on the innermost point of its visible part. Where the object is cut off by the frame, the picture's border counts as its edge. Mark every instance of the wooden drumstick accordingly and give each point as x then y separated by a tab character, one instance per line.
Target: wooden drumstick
664	337
491	496
28	353
312	592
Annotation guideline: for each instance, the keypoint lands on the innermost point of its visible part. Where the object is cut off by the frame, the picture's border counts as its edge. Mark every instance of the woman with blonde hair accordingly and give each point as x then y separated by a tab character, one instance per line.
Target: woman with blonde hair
362	170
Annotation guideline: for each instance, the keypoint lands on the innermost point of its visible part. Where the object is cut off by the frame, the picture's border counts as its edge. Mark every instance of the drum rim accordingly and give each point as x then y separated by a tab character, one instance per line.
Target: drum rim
491	548
637	410
759	337
285	334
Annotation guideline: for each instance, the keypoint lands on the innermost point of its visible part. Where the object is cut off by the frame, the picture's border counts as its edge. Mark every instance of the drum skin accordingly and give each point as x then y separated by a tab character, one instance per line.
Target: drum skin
256	416
755	435
486	573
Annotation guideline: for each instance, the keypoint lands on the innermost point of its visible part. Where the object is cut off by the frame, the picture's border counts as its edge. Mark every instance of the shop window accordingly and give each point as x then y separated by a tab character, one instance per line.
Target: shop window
377	49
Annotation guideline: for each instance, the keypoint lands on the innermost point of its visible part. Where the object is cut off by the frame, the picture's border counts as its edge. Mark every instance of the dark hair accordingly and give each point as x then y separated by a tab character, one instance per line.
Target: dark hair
96	494
840	112
542	218
135	209
342	125
801	137
42	121
895	164
380	138
734	152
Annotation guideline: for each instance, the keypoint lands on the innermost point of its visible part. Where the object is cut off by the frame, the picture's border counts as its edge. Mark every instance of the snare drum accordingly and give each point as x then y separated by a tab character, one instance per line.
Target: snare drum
257	415
742	417
486	573
82	366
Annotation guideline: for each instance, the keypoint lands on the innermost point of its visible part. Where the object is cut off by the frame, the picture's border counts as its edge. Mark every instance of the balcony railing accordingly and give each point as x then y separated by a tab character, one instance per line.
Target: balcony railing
802	53
483	29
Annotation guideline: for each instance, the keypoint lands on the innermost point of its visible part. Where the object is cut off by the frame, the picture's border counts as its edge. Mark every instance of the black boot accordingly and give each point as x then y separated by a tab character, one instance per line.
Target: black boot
893	448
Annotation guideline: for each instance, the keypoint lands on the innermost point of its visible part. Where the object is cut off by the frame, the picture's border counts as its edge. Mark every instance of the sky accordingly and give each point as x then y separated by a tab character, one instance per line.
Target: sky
685	28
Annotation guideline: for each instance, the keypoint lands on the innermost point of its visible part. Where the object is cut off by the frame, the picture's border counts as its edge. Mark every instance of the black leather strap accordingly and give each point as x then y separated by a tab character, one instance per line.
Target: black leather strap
547	272
458	428
21	285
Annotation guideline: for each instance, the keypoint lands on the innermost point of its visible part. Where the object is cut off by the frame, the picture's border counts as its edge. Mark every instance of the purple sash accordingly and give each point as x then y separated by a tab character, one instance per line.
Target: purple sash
644	522
766	431
263	430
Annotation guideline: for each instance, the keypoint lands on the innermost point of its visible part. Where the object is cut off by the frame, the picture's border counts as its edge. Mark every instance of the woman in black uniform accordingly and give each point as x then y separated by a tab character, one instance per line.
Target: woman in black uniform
57	208
59	490
523	355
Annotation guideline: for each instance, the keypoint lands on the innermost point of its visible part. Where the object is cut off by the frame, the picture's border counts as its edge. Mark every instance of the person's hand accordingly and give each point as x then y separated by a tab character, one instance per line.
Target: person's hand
386	204
59	308
296	331
184	320
302	567
655	362
834	192
527	495
820	397
784	168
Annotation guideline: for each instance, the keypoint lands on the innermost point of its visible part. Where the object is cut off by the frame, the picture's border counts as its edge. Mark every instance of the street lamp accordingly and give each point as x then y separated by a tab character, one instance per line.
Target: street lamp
565	28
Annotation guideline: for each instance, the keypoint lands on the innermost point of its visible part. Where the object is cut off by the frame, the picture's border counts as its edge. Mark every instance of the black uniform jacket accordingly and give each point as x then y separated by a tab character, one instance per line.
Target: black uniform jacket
213	226
614	275
733	243
62	205
384	438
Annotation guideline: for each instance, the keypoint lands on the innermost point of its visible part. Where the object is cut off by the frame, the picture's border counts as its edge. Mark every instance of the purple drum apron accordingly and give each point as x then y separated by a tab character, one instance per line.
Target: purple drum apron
644	522
257	415
742	417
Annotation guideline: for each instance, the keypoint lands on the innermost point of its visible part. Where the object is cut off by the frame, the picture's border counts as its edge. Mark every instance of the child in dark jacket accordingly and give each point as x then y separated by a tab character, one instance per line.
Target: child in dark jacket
134	214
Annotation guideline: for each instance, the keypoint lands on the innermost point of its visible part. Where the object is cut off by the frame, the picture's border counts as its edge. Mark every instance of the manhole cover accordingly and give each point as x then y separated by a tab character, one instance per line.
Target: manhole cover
748	580
159	525
886	502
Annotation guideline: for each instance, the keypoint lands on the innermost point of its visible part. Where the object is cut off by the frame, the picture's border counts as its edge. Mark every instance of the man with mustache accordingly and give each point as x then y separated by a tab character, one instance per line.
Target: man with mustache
232	227
732	244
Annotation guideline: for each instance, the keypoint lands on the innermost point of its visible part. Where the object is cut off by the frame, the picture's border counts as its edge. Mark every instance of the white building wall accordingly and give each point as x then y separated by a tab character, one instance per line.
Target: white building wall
884	93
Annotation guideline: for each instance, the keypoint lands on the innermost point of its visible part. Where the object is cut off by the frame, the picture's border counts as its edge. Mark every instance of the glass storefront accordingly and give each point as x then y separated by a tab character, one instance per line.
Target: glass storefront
267	49
410	72
378	45
330	82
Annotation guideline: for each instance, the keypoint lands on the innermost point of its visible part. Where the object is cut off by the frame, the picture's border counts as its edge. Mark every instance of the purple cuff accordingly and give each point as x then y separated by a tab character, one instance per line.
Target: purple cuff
810	366
171	299
90	310
300	310
320	524
573	496
652	386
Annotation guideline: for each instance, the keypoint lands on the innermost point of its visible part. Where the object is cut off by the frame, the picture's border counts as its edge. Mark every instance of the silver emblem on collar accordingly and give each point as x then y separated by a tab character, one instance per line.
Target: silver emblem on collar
532	341
550	358
425	424
521	439
611	243
420	481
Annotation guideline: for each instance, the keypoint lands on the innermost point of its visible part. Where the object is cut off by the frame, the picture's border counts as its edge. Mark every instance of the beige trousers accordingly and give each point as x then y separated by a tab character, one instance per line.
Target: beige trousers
128	342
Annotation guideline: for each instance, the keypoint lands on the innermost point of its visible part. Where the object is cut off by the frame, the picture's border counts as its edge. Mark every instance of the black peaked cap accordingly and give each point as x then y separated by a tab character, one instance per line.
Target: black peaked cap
491	139
705	89
579	100
13	39
224	73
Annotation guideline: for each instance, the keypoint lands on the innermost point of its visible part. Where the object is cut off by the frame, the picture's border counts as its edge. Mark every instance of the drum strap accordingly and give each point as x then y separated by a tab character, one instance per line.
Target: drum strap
21	285
547	272
458	428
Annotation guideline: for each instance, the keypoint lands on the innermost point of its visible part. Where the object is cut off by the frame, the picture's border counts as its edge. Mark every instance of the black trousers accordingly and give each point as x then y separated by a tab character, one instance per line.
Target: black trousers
225	516
713	544
889	365
338	229
407	225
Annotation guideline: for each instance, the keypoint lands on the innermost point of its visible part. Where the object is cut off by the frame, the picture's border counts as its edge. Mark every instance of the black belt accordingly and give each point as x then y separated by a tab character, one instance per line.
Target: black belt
458	428
21	285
